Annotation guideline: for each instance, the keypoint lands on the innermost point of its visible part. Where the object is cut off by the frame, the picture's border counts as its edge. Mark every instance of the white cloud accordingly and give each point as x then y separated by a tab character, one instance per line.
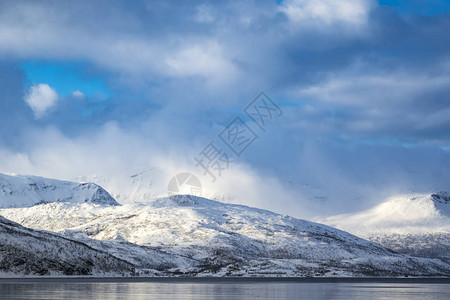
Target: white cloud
206	60
40	98
78	94
326	12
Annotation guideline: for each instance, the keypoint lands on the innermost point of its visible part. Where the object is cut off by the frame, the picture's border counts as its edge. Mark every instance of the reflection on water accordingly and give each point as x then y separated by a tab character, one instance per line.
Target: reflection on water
63	289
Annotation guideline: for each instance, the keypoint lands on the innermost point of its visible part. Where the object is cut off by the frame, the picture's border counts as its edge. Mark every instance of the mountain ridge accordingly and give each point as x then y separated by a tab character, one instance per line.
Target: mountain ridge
25	191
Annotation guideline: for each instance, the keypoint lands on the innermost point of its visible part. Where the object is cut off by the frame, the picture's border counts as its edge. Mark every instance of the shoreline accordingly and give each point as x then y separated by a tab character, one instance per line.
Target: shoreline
91	279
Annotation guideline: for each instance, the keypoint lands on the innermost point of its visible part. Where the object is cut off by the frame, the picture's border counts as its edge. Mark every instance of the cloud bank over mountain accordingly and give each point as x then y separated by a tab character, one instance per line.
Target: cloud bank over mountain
363	86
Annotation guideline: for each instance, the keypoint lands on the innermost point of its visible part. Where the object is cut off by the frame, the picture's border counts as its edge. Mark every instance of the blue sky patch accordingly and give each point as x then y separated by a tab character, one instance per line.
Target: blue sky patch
65	78
419	7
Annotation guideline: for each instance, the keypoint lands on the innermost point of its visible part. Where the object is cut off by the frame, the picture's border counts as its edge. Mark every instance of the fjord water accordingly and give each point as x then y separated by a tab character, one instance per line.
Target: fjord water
222	289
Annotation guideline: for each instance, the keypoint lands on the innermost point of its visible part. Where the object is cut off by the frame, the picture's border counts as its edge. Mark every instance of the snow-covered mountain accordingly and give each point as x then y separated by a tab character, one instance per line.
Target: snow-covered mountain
205	237
182	235
412	224
25	191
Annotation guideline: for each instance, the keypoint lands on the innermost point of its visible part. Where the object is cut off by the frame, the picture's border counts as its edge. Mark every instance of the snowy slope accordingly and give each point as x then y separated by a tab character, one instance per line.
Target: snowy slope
216	239
412	224
25	251
25	191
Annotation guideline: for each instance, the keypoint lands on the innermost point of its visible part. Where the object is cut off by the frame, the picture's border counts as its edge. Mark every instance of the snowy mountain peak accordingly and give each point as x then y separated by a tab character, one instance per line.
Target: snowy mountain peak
183	200
423	212
25	191
411	224
186	200
442	203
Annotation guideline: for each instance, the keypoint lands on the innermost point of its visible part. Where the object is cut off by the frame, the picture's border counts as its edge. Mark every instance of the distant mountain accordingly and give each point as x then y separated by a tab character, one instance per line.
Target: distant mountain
25	191
195	236
413	224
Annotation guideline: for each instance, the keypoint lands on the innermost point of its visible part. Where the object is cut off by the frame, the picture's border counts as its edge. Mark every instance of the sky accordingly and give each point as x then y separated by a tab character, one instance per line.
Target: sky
359	92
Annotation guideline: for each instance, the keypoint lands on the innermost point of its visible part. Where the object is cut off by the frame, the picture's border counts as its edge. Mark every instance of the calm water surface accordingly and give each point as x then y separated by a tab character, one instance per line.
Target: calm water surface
221	289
